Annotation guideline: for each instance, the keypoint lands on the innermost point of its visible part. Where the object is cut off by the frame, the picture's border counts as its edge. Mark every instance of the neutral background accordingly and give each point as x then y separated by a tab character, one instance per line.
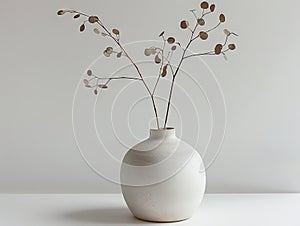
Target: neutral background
43	57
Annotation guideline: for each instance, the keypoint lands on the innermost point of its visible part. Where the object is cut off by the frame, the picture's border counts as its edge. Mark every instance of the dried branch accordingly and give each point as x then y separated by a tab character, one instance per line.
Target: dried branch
160	53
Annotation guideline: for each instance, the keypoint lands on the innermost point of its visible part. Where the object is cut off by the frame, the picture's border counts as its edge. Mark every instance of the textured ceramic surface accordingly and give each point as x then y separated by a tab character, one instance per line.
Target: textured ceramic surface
163	178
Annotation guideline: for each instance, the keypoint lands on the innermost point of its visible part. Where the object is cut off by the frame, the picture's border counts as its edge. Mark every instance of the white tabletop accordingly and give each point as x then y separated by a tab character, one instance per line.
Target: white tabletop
110	209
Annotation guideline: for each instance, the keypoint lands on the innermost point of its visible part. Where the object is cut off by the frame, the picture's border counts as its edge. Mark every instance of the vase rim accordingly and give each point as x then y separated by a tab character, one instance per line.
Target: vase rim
162	132
163	129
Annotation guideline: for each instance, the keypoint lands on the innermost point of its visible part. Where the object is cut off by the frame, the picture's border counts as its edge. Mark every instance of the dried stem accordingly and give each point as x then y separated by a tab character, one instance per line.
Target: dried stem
175	74
131	61
161	65
165	60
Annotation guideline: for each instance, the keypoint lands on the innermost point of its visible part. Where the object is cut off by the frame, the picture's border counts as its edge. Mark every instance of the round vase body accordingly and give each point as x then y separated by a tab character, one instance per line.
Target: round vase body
163	178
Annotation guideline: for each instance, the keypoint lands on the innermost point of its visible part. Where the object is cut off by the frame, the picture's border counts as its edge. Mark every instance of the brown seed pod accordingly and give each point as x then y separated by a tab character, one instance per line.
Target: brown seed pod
204	5
164	71
227	32
76	16
222	18
157	60
201	21
82	27
96	30
105	53
147	52
171	40
85	81
109	50
119	54
60	12
89	72
102	86
184	24
218	49
116	31
93	19
203	35
212	7
232	46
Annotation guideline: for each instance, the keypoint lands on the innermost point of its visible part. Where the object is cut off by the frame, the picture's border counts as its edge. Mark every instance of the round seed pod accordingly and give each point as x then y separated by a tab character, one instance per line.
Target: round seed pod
116	31
171	40
203	35
231	46
184	24
204	5
218	49
222	18
93	19
201	21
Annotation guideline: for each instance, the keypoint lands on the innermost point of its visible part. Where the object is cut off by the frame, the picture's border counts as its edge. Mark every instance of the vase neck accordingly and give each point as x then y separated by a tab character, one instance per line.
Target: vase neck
162	133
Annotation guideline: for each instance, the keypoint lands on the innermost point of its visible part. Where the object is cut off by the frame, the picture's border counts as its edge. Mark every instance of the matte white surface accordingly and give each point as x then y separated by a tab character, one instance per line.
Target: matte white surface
216	210
43	56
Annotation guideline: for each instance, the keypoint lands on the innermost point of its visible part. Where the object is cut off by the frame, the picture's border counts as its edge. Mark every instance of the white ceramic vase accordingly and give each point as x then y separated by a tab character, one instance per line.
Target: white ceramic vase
163	178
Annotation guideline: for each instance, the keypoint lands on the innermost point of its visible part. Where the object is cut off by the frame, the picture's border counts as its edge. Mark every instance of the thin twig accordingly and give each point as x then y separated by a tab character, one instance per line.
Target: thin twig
175	73
161	65
116	40
115	78
200	54
213	28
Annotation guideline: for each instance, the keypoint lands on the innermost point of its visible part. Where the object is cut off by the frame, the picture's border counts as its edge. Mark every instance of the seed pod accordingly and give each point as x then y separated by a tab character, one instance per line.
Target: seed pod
204	5
105	53
218	49
102	86
171	40
96	30
76	16
231	46
82	27
93	19
89	72
173	48
85	81
119	54
147	52
60	12
222	18
203	35
164	71
95	91
201	21
184	24
152	50
212	7
157	60
227	32
109	50
116	31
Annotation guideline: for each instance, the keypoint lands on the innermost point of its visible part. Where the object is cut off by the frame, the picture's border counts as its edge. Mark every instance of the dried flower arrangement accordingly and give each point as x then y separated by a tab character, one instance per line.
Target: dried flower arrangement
161	56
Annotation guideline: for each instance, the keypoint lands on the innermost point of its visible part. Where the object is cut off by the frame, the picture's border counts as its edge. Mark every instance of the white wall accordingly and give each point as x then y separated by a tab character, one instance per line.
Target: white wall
42	58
